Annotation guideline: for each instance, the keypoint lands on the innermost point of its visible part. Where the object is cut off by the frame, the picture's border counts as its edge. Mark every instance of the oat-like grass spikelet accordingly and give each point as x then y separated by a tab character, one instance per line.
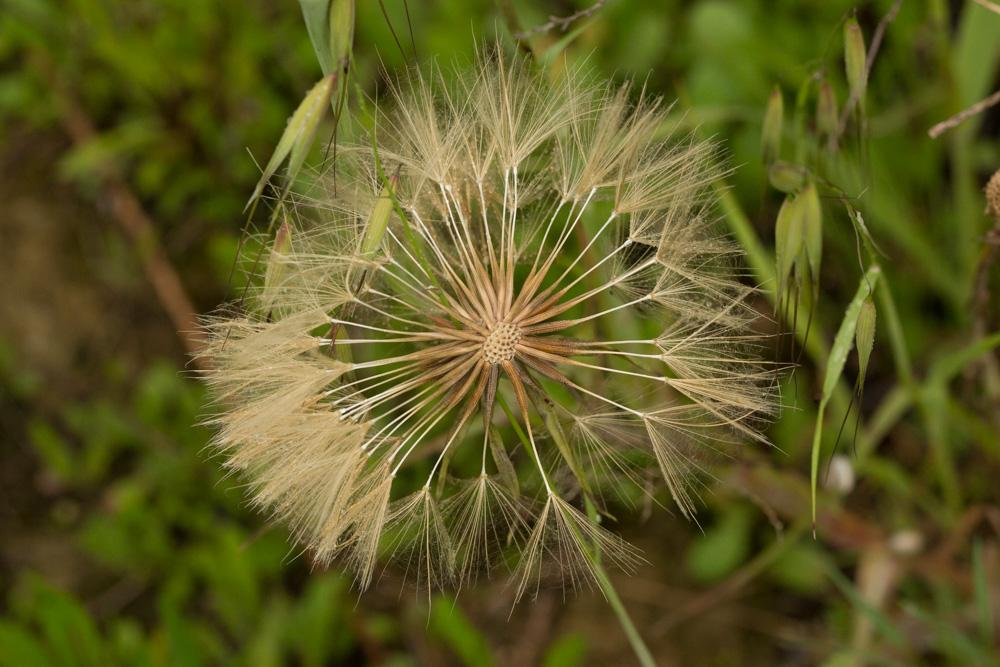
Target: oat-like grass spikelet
546	272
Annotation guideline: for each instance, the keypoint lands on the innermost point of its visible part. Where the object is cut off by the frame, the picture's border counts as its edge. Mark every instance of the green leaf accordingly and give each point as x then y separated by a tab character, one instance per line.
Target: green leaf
566	651
233	586
978	33
317	100
801	569
860	227
263	647
18	648
330	24
841	659
947	366
319	634
452	626
52	448
69	631
130	644
182	644
316	14
723	547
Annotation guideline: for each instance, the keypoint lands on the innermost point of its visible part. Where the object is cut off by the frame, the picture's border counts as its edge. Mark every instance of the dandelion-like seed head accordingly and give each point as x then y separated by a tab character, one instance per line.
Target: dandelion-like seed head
544	312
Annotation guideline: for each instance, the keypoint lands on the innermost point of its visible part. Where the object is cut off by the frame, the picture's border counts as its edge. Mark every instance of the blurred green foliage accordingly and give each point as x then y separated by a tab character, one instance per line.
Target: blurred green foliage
153	557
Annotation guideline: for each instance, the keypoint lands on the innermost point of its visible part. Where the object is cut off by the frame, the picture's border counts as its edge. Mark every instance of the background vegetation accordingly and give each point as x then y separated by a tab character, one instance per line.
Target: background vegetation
123	149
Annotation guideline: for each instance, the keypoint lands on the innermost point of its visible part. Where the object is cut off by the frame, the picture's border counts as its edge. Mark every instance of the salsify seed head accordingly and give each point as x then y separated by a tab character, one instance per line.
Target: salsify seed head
545	315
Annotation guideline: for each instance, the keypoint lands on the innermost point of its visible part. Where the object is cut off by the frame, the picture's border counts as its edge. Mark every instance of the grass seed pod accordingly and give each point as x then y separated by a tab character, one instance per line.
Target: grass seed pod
770	135
854	61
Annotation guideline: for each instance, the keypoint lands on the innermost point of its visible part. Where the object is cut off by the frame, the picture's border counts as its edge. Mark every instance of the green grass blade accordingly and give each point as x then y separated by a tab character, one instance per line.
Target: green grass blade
316	13
844	340
842	344
948	366
453	627
298	136
884	624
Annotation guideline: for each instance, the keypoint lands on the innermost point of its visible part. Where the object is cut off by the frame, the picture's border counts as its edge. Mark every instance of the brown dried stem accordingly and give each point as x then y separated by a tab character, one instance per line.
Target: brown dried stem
127	211
561	22
986	4
964	115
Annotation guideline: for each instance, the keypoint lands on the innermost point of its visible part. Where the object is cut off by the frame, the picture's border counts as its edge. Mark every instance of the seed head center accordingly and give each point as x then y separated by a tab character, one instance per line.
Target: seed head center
499	346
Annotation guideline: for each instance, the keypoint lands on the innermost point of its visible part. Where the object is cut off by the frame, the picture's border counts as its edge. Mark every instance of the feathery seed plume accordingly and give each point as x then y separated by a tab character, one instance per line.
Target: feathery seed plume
548	253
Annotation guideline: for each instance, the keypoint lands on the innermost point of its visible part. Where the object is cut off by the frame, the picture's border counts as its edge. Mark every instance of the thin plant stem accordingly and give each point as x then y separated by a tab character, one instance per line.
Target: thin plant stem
611	595
894	406
933	397
639	647
642	652
897	340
